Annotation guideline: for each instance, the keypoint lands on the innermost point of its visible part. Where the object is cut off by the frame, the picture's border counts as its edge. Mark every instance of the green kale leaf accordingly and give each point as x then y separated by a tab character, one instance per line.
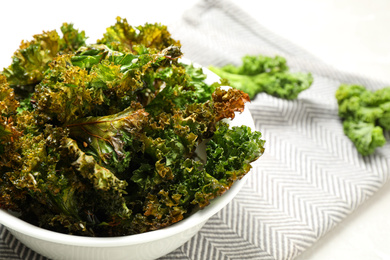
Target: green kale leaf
31	59
366	136
124	37
110	139
365	115
265	74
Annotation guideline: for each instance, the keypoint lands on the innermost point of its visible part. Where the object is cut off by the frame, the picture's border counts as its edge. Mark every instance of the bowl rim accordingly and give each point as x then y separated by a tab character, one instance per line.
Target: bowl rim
198	218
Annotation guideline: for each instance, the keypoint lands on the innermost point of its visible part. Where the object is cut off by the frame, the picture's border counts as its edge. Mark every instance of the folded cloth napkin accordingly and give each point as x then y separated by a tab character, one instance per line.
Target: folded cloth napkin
310	177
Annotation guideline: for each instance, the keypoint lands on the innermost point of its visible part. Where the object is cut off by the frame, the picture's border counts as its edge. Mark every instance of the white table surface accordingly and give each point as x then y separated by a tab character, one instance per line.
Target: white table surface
351	35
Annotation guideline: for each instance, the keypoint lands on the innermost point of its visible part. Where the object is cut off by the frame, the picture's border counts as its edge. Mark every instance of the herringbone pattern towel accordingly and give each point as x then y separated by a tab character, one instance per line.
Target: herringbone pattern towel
310	177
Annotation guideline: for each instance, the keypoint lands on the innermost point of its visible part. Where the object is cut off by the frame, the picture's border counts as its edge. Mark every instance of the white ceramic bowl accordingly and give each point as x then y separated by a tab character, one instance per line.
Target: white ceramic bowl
149	245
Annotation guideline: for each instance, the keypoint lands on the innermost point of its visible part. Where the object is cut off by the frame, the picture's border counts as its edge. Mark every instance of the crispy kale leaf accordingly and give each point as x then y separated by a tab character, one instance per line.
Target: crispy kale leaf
71	39
182	85
8	110
226	164
9	135
98	81
124	37
57	185
8	103
265	74
111	139
365	115
184	182
31	59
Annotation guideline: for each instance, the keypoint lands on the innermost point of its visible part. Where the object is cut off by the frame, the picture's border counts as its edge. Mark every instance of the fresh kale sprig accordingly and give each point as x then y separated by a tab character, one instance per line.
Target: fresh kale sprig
266	74
365	115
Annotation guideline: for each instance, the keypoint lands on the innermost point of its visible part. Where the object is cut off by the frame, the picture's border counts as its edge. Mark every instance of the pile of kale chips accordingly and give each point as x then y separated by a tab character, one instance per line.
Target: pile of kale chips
100	140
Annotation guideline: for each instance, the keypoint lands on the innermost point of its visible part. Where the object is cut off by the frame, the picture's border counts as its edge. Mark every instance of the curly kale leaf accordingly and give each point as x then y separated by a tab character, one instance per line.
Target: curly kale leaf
65	93
195	183
202	91
185	183
181	85
254	65
226	103
111	139
184	84
31	59
365	115
168	162
381	98
106	187
172	201
229	154
58	186
345	92
142	73
366	136
265	74
76	87
8	102
198	119
229	164
8	109
384	120
10	196
124	37
36	174
164	178
71	39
